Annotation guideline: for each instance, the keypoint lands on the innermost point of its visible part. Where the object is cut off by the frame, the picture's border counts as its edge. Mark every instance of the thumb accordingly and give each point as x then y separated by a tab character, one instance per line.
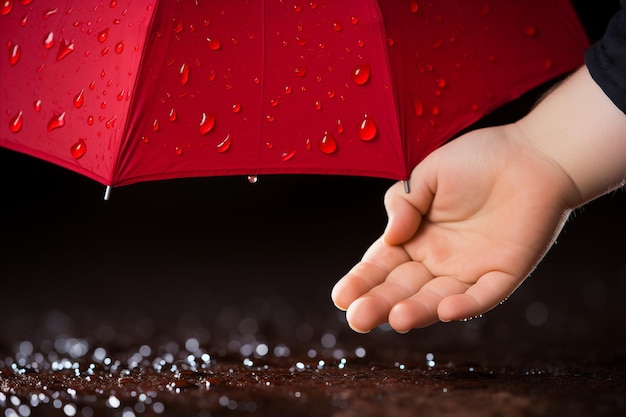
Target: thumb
403	218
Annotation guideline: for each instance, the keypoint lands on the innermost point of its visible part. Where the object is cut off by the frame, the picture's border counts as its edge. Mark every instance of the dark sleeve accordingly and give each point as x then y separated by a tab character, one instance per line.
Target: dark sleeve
606	59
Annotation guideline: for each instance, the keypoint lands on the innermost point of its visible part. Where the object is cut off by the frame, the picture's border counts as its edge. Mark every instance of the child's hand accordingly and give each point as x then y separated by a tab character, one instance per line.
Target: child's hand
481	213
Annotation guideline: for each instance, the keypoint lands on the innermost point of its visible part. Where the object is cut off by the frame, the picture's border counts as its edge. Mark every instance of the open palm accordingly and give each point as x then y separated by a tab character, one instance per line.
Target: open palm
482	211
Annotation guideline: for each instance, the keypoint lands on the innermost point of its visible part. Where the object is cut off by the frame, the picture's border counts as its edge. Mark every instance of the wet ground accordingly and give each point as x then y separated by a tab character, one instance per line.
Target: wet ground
210	297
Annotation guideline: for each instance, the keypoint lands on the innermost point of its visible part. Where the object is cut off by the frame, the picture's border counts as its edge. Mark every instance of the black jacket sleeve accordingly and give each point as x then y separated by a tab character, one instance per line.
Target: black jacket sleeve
606	59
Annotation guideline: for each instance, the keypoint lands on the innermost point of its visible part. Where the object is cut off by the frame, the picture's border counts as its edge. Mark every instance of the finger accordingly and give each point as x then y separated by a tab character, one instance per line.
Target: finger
421	309
489	291
379	260
372	309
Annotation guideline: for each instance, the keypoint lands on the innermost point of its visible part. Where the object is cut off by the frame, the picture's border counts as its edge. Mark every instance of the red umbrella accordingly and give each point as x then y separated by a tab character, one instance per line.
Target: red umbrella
129	91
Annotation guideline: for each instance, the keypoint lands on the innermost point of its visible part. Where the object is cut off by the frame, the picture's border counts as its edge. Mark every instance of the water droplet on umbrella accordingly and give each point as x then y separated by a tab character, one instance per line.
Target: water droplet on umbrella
354	20
274	102
65	49
474	107
172	115
270	118
360	43
119	47
79	99
155	125
441	82
184	74
24	21
48	41
236	107
6	7
90	120
224	145
37	105
318	105
252	179
212	75
300	41
180	26
49	13
418	107
103	35
286	156
57	121
103	105
121	95
529	30
367	130
297	8
92	85
434	110
437	43
327	144
307	144
288	89
178	150
300	71
340	128
361	74
413	6
113	4
78	149
214	44
26	2
104	51
145	139
14	54
337	27
16	123
207	122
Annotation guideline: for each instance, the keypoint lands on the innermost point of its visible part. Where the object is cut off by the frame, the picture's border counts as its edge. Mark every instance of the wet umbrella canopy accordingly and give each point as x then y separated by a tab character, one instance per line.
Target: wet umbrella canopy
124	92
210	296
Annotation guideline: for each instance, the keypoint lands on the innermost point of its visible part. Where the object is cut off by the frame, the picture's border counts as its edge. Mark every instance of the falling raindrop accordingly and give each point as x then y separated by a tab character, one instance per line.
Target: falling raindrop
214	44
207	122
103	35
78	149
14	54
119	47
361	74
37	105
252	179
57	121
6	7
65	49
328	144
286	156
367	130
224	145
184	74
300	71
79	99
48	41
16	123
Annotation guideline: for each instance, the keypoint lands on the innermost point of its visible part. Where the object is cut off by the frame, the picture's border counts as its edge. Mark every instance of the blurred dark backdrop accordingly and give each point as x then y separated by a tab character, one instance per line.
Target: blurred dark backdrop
190	243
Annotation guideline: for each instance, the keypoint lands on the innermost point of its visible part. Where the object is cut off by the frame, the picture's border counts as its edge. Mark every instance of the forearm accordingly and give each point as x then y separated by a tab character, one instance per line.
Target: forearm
580	128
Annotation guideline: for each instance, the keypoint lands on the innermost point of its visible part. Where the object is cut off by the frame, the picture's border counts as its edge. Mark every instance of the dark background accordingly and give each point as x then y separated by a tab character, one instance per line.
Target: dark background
191	244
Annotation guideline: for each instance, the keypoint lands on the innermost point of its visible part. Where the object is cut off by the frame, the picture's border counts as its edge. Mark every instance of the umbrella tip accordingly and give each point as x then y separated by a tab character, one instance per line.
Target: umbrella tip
406	186
107	193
